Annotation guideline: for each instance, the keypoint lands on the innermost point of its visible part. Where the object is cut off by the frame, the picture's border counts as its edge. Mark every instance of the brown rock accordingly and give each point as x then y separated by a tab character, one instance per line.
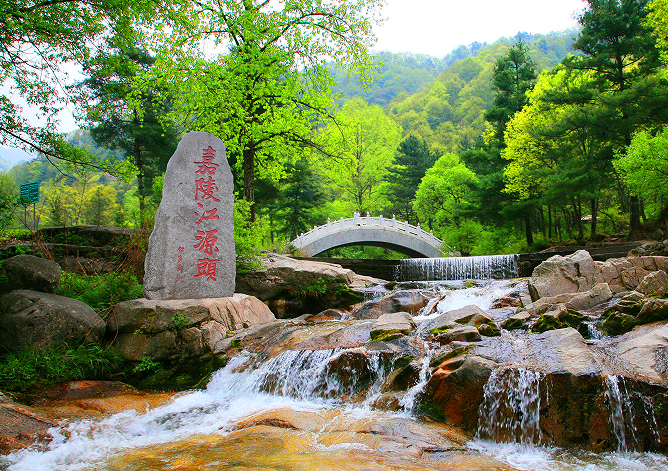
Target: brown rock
409	301
571	274
654	284
285	276
454	396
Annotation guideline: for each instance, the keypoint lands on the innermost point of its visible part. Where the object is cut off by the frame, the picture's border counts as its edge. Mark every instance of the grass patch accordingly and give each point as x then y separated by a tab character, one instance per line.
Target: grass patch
101	292
29	367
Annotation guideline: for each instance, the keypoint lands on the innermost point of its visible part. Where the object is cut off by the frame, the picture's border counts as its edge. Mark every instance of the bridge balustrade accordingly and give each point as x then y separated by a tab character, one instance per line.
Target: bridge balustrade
363	222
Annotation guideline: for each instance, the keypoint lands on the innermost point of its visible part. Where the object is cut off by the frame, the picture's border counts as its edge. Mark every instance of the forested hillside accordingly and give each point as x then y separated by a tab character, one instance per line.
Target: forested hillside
503	147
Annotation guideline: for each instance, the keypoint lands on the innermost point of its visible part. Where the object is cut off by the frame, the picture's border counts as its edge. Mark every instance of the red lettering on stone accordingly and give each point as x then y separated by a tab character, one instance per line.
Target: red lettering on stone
207	165
206	188
206	267
206	241
210	214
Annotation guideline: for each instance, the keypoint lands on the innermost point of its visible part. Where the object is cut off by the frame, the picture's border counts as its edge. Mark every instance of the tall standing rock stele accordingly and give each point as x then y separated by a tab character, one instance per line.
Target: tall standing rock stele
191	249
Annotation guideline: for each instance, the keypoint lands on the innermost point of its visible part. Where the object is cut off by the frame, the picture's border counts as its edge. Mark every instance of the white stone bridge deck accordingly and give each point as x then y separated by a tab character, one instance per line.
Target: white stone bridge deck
366	230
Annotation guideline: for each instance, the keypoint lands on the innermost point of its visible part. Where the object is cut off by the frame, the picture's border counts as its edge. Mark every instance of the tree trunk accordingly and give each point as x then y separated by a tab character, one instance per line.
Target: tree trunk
577	218
634	214
140	179
549	222
249	177
594	217
527	228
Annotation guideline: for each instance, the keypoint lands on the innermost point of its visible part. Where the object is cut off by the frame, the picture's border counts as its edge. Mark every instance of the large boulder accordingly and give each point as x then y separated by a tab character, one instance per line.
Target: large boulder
570	274
410	301
283	276
30	272
456	390
625	274
181	329
392	325
42	320
645	351
654	284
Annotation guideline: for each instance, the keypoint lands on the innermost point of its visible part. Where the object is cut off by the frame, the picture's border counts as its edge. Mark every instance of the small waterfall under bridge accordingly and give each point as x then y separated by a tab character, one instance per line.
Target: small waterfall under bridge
484	267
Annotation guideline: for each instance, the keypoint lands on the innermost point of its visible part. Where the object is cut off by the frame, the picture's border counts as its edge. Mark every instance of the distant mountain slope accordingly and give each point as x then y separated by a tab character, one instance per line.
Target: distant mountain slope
10	157
407	74
449	112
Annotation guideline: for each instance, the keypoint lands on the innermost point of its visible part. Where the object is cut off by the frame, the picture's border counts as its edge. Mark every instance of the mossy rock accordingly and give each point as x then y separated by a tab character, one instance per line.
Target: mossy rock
489	330
561	320
387	335
617	323
180	376
459	351
513	323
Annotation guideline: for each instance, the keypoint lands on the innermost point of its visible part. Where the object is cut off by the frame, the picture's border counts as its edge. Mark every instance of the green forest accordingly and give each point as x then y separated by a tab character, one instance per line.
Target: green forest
514	146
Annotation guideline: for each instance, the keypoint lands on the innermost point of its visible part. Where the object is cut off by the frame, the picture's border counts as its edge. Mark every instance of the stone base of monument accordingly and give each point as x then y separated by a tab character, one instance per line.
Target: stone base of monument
180	330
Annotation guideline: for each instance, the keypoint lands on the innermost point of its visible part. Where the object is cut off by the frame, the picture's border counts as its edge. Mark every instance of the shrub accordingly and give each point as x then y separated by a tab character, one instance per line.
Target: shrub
100	292
22	369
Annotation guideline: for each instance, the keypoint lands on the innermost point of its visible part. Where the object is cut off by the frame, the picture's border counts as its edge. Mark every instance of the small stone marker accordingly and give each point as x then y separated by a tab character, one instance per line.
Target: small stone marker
191	249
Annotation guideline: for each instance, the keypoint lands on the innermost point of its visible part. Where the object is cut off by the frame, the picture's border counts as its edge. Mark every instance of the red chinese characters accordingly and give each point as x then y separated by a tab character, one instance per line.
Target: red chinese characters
179	266
205	193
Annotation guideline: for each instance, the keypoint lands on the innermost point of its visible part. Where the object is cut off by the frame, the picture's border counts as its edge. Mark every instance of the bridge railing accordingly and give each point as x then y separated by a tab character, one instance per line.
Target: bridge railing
375	222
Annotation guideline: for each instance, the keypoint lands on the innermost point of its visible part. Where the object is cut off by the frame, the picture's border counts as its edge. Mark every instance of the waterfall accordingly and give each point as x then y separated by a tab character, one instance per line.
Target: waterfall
510	410
625	418
483	267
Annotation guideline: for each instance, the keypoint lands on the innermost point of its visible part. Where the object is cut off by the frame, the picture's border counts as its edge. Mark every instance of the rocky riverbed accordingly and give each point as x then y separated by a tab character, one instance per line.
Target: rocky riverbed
429	375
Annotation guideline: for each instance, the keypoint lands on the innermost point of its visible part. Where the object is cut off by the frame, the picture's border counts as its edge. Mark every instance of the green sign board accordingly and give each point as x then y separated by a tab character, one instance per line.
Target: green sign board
30	192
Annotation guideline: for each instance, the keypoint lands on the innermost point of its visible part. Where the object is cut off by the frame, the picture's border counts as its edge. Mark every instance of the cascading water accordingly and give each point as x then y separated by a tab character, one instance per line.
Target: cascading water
510	410
458	268
625	418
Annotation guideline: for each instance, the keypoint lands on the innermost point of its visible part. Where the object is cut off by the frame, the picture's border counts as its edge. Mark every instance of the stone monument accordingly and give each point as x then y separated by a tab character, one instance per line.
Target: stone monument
191	249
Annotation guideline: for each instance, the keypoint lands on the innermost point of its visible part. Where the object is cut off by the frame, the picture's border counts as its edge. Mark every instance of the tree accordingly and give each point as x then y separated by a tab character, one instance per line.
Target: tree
146	139
411	161
264	96
514	75
644	168
9	201
38	39
301	194
361	145
625	94
658	20
444	194
100	205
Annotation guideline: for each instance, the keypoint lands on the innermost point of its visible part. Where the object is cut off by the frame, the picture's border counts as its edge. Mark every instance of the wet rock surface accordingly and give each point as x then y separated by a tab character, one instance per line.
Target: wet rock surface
548	375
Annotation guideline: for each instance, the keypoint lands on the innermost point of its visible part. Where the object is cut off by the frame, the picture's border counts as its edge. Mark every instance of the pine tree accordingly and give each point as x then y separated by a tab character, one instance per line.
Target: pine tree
411	162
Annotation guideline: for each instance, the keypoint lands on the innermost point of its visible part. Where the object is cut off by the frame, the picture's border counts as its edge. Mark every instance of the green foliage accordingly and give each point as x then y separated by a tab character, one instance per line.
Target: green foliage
101	292
362	143
644	166
23	369
147	364
271	87
247	238
315	290
444	194
38	38
514	75
411	161
180	321
9	202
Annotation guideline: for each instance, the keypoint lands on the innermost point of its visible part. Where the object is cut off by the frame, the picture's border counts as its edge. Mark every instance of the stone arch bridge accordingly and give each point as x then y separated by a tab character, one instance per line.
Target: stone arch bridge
366	230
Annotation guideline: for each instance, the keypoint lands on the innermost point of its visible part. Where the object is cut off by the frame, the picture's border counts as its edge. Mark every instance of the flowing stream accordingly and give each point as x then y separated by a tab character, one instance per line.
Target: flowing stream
291	412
